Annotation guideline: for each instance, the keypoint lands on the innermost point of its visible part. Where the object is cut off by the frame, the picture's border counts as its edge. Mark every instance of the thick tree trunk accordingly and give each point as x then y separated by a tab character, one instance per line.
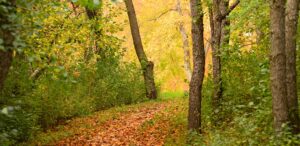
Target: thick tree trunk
185	40
147	66
194	116
291	21
278	64
6	34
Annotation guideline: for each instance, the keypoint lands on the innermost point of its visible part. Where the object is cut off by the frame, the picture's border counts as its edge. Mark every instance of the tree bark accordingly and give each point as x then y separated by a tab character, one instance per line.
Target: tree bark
6	34
278	64
185	40
220	32
291	21
216	50
225	35
194	116
147	66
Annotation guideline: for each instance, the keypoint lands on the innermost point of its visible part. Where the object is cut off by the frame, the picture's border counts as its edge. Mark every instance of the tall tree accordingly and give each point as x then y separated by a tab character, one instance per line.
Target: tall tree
291	21
278	64
194	116
185	40
147	66
218	23
216	31
7	38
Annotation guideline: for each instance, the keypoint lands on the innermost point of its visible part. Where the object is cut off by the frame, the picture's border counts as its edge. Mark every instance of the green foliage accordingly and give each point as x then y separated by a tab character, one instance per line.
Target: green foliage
8	19
15	125
66	66
52	79
171	95
245	114
91	4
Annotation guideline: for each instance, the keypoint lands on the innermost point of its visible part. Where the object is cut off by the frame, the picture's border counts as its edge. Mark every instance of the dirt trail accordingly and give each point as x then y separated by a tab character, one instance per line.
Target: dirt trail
125	130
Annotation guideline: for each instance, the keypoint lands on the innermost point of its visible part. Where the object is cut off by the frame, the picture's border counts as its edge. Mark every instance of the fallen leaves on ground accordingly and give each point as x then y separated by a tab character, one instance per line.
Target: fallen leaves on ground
123	130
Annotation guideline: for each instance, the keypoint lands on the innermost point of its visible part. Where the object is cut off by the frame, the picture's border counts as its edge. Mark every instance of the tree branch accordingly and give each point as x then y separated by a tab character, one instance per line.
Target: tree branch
162	14
231	8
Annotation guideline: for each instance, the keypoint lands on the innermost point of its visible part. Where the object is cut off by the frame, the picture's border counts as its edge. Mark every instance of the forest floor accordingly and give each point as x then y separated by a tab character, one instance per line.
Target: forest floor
161	122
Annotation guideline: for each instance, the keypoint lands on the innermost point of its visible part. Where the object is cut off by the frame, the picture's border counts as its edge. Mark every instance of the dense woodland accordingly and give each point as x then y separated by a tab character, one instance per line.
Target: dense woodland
148	72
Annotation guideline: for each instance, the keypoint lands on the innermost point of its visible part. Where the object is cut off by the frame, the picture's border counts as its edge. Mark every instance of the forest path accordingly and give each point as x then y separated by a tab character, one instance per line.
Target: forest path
124	130
152	123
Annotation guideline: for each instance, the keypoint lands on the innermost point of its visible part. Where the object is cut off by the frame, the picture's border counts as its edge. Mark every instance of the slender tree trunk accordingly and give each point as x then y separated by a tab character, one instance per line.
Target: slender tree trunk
6	34
225	36
291	21
194	116
187	63
147	66
220	32
278	64
185	40
216	51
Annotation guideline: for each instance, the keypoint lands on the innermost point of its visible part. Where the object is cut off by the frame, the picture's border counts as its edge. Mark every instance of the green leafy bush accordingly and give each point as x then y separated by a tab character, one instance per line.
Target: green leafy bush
59	74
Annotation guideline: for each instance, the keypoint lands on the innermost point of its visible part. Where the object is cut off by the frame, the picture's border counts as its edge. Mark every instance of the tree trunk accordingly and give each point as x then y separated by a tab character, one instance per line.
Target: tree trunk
6	34
147	66
291	21
225	35
194	116
216	51
220	32
278	64
185	40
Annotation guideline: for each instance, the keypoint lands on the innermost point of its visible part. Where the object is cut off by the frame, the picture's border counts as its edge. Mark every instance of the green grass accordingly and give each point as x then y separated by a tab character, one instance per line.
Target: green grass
177	132
172	95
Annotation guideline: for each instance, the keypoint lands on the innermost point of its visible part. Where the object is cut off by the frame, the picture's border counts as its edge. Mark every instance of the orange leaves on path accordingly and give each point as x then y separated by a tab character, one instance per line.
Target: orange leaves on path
136	128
